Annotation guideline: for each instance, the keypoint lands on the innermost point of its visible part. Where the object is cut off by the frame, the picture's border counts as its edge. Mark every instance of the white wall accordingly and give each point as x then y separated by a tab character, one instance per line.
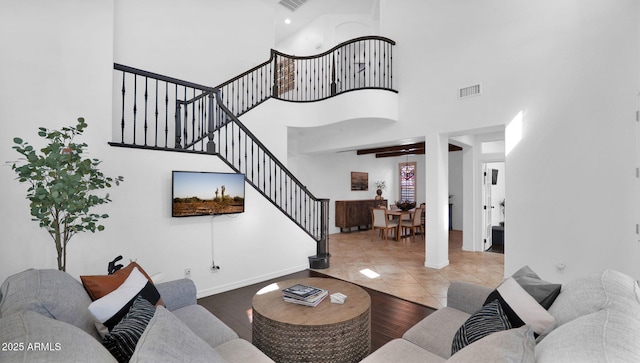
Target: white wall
308	127
558	210
248	247
202	41
572	69
57	65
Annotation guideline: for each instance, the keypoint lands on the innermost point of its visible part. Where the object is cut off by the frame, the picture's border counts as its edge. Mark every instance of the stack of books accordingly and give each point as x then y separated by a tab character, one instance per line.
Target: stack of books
304	295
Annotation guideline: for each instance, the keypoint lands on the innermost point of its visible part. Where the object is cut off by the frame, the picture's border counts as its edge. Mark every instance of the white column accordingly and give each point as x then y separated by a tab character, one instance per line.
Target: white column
437	199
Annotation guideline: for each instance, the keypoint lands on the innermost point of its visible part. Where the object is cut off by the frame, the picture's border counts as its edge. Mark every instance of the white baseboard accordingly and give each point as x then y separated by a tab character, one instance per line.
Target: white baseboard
247	282
442	265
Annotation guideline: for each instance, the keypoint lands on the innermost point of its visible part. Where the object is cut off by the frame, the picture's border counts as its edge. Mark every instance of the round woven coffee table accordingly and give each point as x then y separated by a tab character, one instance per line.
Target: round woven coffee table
329	332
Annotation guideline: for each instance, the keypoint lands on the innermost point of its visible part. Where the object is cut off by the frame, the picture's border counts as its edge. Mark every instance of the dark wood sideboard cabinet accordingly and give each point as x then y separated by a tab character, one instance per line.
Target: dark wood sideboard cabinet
355	213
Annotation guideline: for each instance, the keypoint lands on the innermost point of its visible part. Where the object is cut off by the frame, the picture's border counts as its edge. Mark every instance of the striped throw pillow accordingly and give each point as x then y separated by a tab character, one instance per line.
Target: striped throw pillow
490	319
121	341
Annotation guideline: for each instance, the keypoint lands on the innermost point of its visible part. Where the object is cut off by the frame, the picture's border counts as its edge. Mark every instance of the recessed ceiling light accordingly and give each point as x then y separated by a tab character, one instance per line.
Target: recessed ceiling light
287	21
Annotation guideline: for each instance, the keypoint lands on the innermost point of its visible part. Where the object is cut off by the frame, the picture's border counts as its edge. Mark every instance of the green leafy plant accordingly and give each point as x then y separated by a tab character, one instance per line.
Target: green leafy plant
62	185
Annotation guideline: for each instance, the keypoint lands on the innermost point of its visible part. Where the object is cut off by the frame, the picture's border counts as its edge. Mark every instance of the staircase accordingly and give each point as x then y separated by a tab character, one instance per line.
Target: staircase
164	113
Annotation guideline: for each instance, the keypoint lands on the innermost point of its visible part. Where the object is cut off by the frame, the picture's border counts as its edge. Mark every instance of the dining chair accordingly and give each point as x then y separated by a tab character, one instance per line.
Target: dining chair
414	223
391	217
381	222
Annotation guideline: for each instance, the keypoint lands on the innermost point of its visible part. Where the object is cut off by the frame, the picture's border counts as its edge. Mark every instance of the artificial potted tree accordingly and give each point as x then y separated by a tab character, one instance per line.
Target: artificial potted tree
62	185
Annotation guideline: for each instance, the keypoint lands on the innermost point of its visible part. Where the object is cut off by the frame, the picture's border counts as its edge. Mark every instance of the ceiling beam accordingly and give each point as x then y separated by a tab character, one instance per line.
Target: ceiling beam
417	148
400	153
387	149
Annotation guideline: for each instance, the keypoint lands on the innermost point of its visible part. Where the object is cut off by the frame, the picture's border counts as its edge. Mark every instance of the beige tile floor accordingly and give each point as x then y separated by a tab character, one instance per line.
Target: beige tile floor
400	265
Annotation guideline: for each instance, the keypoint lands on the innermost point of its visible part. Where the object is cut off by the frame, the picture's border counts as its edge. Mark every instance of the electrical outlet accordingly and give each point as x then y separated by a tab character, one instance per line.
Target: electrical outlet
187	273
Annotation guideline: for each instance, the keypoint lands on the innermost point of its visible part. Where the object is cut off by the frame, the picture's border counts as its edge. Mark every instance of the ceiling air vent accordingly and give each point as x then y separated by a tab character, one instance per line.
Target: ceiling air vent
469	91
292	5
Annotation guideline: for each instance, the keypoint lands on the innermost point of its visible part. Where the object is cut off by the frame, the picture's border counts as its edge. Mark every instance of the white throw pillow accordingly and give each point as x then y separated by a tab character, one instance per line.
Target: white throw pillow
111	308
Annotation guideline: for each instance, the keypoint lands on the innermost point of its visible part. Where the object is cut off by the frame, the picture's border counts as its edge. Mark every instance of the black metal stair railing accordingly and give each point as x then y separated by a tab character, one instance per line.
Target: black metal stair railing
161	112
164	113
244	153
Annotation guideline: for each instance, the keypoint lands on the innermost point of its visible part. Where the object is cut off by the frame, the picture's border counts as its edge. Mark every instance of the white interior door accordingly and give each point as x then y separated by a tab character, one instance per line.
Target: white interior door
486	207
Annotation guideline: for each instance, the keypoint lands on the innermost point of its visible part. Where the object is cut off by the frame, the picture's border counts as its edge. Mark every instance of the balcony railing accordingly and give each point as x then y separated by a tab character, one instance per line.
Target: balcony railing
362	63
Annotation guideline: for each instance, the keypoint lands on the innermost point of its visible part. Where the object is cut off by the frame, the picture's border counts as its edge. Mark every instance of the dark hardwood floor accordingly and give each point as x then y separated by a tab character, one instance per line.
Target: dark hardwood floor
391	317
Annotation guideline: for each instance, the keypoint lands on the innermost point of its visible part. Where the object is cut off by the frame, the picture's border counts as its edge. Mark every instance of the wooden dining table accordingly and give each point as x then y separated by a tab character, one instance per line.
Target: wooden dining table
400	214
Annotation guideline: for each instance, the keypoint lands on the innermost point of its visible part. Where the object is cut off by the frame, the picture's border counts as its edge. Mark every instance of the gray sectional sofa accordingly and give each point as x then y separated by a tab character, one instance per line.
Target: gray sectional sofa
597	319
44	317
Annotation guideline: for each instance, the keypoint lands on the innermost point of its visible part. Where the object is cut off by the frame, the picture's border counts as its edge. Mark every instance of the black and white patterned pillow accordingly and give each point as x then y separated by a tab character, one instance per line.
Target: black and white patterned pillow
523	299
121	341
111	308
490	319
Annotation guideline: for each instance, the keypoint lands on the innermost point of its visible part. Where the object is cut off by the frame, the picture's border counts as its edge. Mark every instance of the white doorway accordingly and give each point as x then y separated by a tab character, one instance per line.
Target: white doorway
480	150
493	206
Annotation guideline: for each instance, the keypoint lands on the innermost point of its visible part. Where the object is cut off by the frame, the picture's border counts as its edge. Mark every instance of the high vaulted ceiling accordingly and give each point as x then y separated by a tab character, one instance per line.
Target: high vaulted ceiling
307	11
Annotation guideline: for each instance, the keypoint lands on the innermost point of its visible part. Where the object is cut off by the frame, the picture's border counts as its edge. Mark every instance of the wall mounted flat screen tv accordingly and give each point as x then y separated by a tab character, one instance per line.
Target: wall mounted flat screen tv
196	193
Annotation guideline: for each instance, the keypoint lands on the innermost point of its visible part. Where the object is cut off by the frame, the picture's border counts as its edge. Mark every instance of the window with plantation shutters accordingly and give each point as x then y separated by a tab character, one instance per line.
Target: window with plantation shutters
407	177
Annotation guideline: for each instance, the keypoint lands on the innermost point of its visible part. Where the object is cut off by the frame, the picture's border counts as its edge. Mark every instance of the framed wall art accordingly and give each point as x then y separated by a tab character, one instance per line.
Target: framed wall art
359	181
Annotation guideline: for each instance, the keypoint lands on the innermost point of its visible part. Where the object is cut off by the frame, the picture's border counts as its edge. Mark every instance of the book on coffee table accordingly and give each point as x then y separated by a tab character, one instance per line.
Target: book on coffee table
313	300
304	295
300	291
